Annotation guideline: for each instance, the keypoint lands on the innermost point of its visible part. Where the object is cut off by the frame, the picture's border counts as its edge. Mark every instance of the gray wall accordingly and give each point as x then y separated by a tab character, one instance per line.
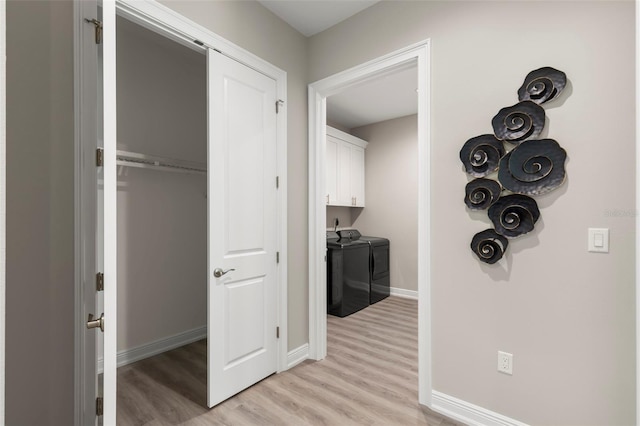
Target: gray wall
567	315
162	216
40	219
391	189
256	29
549	296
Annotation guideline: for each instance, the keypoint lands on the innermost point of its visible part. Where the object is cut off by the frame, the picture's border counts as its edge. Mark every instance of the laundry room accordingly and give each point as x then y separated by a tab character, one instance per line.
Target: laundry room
372	192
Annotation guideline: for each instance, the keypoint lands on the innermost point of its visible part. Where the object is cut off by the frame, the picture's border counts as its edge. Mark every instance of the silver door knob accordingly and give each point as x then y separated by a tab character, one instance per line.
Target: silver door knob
96	323
218	272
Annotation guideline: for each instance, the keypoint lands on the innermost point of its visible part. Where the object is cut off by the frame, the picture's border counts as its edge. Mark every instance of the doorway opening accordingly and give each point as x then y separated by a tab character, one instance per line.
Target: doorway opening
414	55
191	176
375	255
161	221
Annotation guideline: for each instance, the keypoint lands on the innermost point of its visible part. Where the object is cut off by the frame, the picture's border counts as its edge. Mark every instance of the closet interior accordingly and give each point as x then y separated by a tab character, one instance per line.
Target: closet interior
161	201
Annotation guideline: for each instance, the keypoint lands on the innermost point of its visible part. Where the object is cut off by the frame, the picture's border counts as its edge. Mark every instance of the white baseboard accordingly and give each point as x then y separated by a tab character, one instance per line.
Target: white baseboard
147	350
401	292
468	413
296	356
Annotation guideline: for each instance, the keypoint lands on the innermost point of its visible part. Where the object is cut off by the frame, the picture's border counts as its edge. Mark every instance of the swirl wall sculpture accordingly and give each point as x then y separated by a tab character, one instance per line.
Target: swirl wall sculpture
542	85
481	155
533	167
522	121
489	246
481	193
514	215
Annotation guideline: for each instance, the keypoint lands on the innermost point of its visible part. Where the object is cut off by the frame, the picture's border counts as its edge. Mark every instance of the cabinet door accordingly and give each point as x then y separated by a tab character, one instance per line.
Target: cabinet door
357	176
344	197
332	171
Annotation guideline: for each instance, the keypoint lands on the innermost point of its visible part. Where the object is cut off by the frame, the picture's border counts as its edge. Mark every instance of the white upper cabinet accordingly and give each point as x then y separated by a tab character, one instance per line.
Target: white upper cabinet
345	169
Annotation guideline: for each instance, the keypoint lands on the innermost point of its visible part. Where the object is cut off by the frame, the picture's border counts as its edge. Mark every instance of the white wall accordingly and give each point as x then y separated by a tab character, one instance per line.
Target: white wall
391	189
567	315
343	214
162	222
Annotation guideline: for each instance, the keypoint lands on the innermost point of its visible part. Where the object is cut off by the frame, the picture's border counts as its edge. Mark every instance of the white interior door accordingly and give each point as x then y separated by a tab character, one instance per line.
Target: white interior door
242	342
107	208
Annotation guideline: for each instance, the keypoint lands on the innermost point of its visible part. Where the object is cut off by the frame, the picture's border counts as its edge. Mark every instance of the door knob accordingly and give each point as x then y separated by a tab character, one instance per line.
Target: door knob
218	272
95	323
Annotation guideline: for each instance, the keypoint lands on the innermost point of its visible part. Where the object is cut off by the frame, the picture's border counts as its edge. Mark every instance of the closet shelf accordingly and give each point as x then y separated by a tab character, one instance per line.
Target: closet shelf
135	159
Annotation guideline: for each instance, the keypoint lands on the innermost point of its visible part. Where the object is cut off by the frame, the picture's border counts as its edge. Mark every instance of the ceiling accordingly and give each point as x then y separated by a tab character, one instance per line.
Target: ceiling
390	96
313	16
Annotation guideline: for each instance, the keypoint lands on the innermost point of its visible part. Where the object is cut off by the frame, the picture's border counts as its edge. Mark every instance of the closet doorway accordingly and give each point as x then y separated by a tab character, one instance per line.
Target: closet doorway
318	93
189	202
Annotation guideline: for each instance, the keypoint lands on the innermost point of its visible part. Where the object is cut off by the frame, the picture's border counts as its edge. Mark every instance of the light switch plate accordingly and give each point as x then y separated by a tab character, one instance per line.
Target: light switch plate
598	240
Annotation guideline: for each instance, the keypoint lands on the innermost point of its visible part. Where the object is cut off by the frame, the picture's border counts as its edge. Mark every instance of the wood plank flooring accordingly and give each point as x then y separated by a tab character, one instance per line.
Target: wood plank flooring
368	378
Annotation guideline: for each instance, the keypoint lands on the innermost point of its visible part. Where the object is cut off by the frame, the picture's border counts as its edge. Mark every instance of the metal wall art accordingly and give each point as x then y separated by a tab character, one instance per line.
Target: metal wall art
489	245
532	167
522	121
481	155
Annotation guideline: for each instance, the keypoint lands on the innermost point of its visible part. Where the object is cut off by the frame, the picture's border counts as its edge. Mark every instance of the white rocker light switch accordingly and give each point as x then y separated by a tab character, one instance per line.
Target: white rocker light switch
598	240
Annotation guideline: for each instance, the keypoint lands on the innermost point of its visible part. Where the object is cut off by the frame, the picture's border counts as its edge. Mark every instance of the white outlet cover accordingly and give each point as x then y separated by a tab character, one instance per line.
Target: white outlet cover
505	363
598	240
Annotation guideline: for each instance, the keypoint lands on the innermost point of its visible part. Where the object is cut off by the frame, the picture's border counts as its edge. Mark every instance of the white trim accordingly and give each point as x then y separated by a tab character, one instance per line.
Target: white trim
3	192
296	356
85	208
468	413
339	134
403	292
169	23
318	93
156	347
110	217
637	260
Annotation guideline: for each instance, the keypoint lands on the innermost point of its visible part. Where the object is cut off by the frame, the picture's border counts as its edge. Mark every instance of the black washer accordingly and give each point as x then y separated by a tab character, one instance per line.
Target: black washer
348	285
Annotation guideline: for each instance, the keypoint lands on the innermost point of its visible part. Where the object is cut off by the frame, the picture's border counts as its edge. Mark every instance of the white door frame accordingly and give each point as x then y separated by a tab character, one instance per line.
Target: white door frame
163	20
318	92
637	4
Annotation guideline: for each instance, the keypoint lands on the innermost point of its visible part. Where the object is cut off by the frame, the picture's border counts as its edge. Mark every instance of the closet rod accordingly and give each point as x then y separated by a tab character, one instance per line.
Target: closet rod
135	159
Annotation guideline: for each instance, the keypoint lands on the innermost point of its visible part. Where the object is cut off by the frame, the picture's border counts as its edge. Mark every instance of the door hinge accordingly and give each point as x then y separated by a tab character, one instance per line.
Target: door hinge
97	27
99	281
325	257
277	181
99	406
277	332
279	103
99	157
277	257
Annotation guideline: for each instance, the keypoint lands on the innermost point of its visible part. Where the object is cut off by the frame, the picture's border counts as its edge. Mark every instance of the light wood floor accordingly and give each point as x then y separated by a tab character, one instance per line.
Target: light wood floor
368	378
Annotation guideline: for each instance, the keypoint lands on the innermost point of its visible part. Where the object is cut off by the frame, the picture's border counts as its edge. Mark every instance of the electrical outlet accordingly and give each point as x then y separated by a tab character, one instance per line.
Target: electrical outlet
505	362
